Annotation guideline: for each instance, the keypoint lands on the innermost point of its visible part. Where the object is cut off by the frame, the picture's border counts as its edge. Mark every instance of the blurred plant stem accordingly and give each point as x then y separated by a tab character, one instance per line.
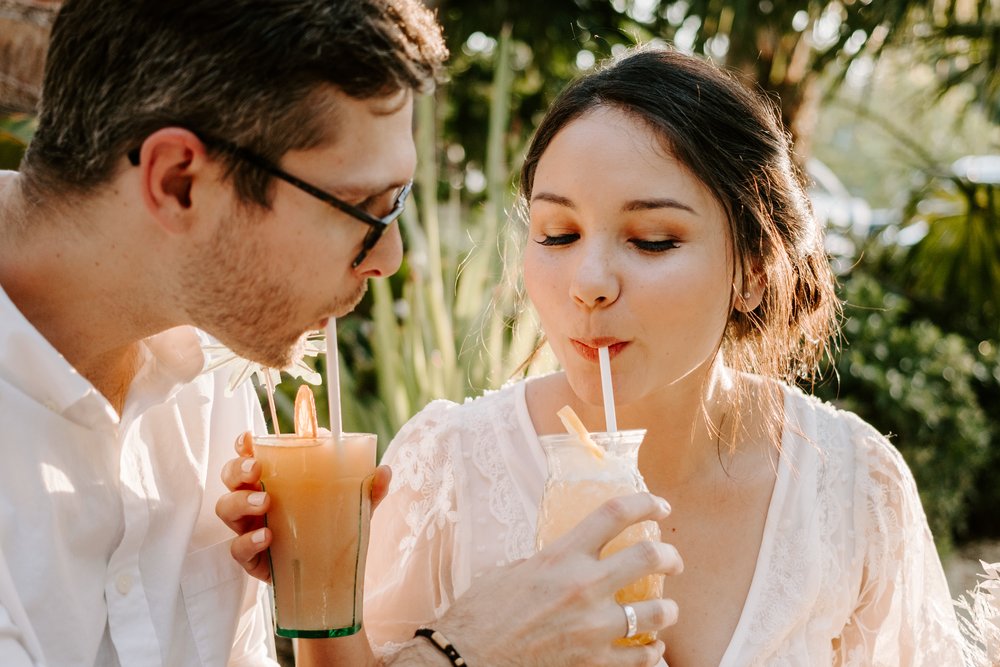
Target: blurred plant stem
449	325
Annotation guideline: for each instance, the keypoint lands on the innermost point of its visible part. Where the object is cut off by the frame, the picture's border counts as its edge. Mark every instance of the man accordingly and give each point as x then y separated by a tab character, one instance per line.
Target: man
234	167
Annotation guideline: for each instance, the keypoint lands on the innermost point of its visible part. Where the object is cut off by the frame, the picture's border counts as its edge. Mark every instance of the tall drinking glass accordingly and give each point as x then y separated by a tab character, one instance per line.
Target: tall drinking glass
319	516
579	482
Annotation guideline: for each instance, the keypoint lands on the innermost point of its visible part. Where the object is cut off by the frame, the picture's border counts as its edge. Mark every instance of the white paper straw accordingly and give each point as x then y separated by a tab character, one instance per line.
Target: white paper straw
333	378
610	422
269	385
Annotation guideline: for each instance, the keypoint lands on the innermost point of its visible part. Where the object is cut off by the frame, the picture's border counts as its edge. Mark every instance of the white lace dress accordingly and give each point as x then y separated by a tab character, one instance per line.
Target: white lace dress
847	572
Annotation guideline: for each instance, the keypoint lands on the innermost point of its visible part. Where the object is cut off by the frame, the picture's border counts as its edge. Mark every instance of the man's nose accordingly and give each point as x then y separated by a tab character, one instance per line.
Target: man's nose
385	258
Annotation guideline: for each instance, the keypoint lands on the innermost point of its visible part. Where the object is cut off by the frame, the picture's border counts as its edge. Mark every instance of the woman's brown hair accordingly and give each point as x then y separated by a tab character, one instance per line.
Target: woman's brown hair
731	139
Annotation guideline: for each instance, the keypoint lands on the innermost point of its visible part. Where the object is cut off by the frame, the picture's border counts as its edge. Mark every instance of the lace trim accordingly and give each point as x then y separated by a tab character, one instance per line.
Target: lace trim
488	425
855	463
778	607
425	464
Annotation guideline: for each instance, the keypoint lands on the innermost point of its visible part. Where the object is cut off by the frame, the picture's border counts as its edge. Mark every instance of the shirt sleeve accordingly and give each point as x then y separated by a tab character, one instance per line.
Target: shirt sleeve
408	581
904	613
253	645
18	645
13	652
254	642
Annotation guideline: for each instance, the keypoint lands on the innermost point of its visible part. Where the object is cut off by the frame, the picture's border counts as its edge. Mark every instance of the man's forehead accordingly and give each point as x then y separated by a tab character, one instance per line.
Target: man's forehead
368	147
340	109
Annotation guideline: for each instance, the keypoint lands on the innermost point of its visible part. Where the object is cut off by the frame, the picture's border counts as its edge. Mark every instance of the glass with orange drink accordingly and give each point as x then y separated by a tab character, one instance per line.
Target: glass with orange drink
584	474
320	493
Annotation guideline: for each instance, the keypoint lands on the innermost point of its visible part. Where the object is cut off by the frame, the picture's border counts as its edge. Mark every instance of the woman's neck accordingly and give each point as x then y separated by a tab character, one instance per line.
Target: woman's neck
688	426
683	421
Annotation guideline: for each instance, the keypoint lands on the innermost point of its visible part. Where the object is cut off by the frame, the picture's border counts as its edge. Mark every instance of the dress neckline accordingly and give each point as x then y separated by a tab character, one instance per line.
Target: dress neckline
771	521
767	538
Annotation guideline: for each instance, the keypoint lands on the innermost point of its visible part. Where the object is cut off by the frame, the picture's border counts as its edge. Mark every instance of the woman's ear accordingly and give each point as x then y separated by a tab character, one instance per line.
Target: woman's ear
749	291
171	160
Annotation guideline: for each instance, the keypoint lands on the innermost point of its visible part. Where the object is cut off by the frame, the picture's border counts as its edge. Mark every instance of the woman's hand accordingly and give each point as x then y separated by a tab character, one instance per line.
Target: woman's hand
244	507
558	607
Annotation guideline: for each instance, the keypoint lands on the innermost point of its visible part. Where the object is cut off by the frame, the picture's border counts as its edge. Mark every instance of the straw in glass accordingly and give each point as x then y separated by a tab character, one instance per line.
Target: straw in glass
269	382
333	378
611	423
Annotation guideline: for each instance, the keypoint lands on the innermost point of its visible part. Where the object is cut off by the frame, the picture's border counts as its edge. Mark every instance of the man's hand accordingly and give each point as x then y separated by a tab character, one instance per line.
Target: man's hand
557	607
244	507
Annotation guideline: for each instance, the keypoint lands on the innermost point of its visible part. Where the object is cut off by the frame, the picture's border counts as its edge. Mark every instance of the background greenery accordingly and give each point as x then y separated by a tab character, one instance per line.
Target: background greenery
888	93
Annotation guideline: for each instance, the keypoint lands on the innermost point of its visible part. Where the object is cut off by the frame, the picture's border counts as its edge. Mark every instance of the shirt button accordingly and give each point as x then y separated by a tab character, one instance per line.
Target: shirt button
123	584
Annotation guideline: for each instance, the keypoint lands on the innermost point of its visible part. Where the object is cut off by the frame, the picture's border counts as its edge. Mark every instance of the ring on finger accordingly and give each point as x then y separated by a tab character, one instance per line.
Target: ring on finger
630	620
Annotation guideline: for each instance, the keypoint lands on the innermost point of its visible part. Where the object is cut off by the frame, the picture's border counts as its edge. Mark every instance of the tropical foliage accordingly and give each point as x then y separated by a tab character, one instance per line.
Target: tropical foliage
15	132
922	334
923	387
784	47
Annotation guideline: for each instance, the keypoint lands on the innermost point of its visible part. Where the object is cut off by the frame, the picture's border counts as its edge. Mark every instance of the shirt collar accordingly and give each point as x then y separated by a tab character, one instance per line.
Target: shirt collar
29	362
172	359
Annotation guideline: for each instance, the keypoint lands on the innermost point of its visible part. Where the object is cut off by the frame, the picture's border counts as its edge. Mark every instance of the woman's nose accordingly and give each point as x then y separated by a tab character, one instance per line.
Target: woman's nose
595	282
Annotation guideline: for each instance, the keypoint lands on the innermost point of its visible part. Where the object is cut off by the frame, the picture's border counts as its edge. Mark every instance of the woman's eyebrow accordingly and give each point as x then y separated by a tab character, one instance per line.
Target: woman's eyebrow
559	200
633	205
659	202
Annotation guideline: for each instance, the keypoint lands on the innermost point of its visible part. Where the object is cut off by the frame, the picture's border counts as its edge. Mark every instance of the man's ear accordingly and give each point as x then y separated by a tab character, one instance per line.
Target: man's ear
171	160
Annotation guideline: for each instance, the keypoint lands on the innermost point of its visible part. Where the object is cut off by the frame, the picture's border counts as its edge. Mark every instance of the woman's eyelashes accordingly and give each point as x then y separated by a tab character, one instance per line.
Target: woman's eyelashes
557	239
660	245
645	245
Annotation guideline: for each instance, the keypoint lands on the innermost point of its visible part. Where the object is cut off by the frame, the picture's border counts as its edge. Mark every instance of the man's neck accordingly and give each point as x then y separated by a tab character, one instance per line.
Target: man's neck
113	375
86	293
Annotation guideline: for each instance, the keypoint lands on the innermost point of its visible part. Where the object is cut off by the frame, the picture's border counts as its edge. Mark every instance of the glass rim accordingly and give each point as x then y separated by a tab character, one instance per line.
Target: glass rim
557	438
292	439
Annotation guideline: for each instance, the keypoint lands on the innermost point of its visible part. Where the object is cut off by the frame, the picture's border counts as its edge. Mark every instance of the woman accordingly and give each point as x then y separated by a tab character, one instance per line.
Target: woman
667	221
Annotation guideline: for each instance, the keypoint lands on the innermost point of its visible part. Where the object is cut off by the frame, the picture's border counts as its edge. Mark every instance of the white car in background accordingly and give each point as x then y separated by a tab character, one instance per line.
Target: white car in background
833	205
846	218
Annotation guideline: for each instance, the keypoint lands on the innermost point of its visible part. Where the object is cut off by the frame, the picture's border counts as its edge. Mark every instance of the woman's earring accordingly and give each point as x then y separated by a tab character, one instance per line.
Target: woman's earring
746	295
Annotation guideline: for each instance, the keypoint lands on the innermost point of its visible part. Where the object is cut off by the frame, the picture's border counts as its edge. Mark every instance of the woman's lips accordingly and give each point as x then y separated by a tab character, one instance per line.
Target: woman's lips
588	349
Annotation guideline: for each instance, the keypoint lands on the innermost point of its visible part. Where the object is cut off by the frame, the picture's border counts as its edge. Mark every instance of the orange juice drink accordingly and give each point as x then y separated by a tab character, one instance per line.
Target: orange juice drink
319	515
579	482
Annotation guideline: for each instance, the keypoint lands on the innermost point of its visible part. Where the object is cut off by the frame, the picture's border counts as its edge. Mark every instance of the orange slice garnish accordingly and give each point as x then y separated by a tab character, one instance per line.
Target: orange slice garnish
574	426
305	413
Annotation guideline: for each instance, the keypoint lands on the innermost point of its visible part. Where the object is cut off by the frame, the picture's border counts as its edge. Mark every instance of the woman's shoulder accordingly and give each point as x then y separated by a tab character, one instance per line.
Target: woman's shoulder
840	435
442	420
487	406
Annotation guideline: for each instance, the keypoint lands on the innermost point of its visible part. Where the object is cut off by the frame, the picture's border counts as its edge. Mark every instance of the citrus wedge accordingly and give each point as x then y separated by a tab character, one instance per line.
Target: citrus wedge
574	426
305	413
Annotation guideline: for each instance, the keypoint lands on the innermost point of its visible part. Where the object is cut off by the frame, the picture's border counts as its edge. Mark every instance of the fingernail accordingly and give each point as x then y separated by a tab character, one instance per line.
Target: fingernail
665	505
258	536
674	612
256	498
247	465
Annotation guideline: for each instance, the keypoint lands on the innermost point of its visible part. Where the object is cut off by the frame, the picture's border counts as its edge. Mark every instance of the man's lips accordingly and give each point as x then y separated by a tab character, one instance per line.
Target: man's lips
587	348
319	326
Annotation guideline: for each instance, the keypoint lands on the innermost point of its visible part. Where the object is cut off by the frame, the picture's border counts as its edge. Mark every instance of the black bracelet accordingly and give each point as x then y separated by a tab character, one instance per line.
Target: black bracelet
443	645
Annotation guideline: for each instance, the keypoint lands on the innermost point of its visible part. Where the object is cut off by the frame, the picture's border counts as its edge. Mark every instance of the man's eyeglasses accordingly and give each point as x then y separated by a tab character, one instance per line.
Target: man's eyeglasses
376	225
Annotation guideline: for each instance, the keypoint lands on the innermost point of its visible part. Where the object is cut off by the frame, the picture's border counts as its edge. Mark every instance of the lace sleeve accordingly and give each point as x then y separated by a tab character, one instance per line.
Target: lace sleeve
408	580
980	619
904	613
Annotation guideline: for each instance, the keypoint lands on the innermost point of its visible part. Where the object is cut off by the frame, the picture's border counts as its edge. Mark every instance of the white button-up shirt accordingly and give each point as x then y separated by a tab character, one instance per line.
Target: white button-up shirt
110	550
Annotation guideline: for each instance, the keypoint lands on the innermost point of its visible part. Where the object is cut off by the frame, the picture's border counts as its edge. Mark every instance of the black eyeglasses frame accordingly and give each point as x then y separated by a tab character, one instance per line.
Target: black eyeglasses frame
376	225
